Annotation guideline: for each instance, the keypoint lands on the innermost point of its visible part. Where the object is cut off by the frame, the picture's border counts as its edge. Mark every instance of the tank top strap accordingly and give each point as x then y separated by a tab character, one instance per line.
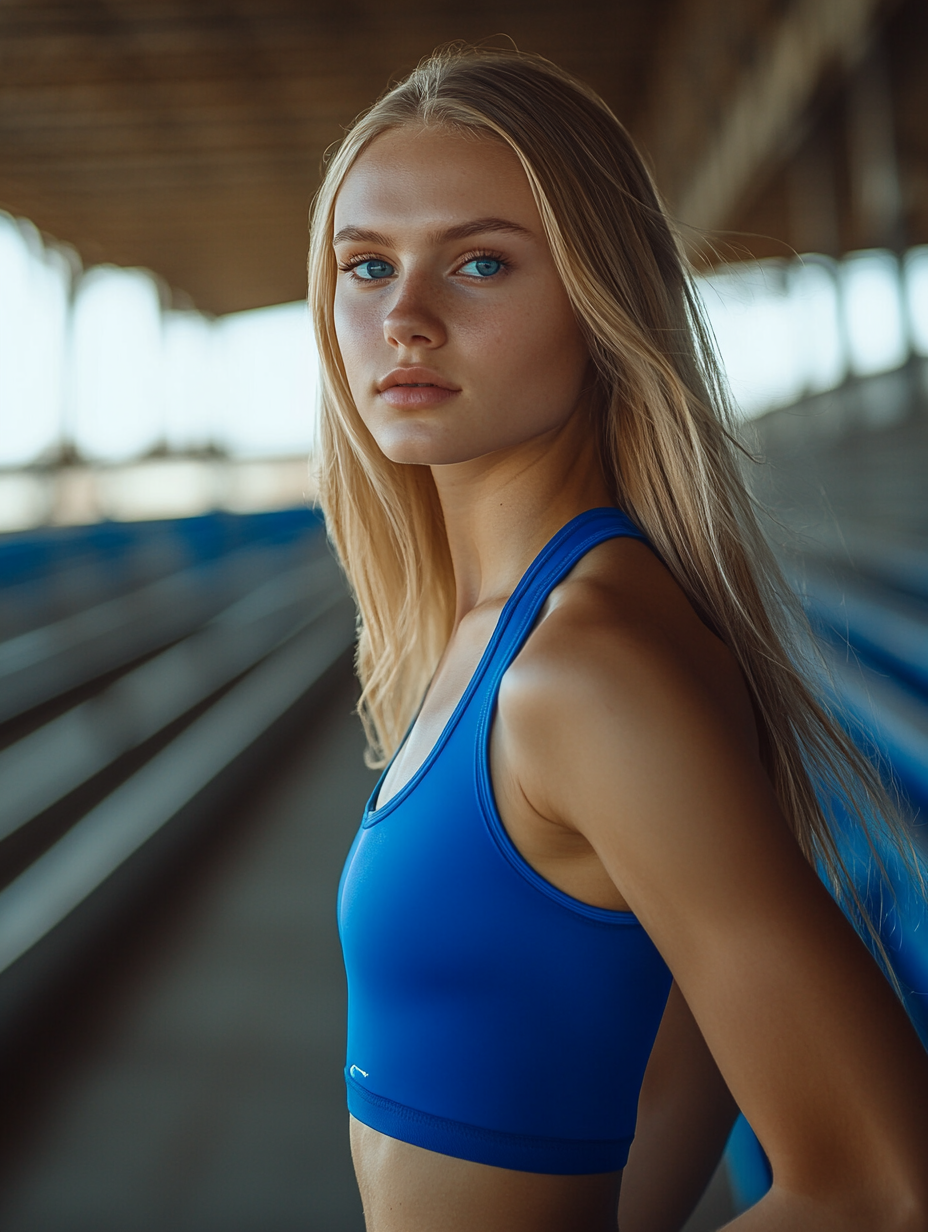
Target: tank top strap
550	566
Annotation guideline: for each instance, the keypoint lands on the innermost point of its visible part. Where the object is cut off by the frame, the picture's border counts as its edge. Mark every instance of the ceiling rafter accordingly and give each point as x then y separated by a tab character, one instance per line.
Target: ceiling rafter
735	100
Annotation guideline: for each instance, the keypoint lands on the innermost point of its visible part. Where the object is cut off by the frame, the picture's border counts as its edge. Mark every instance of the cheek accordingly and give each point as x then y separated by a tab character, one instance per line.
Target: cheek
354	330
540	351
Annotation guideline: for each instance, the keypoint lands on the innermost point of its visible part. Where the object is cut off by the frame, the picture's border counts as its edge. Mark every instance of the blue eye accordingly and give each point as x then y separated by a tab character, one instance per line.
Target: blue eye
483	267
371	271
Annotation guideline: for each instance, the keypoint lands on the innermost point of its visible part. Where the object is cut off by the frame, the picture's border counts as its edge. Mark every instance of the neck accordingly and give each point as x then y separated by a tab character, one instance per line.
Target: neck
501	509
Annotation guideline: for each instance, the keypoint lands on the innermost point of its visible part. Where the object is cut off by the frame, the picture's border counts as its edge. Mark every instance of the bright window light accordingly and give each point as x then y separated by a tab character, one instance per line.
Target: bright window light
916	294
818	332
265	373
116	365
34	287
189	388
750	310
876	332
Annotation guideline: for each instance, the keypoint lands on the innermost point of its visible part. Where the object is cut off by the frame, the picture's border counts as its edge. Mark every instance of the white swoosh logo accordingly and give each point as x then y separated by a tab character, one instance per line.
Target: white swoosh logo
356	1070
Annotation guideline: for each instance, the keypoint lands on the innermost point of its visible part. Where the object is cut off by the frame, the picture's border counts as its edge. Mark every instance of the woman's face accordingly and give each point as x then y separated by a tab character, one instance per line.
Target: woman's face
456	332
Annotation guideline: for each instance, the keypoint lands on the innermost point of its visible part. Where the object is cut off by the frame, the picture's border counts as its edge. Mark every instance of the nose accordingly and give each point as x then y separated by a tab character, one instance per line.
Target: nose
414	319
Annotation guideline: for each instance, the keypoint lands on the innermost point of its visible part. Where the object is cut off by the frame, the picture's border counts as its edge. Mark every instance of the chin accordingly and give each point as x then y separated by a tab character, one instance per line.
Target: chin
420	442
418	455
418	448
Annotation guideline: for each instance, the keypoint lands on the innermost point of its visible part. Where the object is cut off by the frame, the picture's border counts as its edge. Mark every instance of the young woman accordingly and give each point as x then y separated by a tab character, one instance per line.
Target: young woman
582	905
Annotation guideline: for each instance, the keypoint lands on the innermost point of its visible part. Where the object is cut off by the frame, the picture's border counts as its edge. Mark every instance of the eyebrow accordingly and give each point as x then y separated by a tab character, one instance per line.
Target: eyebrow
462	231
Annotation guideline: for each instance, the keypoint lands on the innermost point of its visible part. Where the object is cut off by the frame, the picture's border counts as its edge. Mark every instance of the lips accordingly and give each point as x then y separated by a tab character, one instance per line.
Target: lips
413	397
415	377
415	388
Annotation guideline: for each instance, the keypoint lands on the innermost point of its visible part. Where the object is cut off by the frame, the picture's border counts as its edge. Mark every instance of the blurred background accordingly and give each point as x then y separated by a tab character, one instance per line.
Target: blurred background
180	771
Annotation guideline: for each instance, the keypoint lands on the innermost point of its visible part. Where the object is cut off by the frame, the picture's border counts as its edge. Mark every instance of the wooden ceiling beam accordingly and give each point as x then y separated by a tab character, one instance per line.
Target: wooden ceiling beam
709	145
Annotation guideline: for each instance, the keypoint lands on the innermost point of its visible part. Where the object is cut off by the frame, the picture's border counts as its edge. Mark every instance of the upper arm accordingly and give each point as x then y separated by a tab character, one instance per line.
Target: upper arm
685	1114
641	756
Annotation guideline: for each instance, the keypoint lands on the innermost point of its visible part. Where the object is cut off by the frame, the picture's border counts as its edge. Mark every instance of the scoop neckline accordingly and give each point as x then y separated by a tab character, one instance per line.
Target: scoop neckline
374	815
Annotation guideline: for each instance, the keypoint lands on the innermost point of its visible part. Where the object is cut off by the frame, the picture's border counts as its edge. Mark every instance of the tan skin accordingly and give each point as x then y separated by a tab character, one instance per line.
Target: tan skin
624	754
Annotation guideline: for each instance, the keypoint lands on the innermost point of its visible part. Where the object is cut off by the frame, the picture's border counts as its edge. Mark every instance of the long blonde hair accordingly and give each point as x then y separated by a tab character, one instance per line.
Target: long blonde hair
667	445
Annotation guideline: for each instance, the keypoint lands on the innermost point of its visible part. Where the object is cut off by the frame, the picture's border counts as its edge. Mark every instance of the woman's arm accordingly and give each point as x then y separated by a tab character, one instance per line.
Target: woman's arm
619	731
685	1115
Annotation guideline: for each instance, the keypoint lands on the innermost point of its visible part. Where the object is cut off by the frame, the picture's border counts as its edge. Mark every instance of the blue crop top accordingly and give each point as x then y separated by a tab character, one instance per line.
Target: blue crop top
491	1016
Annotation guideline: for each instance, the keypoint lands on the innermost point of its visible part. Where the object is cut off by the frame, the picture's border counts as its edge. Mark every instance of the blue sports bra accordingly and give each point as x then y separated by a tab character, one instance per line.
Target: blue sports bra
491	1016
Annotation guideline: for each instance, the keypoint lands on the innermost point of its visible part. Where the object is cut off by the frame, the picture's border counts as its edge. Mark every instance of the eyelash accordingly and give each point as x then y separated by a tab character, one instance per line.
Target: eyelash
482	254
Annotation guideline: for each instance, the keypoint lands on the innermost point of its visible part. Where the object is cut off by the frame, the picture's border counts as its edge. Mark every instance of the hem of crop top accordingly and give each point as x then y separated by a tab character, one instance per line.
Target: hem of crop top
517	1152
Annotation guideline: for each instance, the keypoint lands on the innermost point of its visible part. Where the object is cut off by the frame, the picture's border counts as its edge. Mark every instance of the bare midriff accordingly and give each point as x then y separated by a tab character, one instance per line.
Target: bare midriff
407	1189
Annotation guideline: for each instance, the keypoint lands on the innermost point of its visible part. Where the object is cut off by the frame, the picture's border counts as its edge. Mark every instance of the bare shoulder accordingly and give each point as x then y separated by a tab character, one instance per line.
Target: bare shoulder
619	643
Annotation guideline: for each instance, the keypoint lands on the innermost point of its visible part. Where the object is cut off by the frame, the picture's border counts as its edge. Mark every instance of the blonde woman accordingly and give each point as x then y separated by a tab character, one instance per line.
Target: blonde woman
582	905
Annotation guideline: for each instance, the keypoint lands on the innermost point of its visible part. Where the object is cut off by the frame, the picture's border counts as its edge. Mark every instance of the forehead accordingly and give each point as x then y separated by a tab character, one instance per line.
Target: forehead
415	176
